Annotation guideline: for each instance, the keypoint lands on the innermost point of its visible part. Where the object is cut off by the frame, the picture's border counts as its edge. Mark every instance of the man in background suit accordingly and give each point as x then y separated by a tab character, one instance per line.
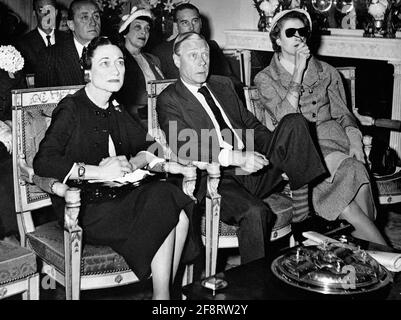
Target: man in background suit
61	63
252	158
187	18
43	36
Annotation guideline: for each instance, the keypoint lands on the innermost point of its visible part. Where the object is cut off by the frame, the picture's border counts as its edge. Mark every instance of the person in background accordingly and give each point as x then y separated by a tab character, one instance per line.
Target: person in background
43	36
140	67
252	158
60	65
296	82
188	19
62	19
89	138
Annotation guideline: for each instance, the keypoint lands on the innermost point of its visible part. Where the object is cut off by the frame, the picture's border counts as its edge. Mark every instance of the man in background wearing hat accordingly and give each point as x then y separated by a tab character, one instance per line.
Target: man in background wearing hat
140	67
61	62
252	158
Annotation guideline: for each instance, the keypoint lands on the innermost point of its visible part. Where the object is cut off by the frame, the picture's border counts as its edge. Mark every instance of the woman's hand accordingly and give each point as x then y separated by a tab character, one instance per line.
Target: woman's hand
357	152
114	167
141	160
302	54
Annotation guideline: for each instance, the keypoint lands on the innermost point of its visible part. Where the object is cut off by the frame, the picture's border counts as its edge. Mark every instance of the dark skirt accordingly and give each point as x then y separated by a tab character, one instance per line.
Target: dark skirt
8	217
136	224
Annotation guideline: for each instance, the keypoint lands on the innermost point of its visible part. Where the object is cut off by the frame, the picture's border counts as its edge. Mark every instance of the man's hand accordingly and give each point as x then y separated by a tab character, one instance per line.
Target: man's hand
249	161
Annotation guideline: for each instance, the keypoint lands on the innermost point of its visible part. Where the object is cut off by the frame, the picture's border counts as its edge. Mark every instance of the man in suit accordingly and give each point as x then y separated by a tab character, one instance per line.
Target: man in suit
252	158
187	18
43	36
61	62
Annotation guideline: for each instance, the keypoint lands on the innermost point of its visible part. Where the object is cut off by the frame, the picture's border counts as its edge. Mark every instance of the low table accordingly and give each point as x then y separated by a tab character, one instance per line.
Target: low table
256	281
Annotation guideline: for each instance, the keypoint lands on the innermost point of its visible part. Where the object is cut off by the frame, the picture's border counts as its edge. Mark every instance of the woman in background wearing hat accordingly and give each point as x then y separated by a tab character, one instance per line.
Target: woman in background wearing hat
296	82
140	67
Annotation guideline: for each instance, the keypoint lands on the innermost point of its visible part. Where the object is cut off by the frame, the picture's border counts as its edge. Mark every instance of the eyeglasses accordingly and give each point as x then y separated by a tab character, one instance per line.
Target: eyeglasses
303	32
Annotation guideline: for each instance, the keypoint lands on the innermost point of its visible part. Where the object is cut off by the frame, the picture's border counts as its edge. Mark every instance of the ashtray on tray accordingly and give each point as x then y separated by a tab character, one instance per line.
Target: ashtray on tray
331	268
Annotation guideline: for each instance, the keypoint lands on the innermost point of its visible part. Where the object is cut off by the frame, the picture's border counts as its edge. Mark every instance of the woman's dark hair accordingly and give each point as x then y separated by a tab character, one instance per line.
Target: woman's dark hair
275	32
144	18
86	59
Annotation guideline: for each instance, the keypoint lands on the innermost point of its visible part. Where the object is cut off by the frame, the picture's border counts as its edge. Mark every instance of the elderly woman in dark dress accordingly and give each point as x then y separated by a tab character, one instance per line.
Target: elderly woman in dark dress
140	67
91	138
296	82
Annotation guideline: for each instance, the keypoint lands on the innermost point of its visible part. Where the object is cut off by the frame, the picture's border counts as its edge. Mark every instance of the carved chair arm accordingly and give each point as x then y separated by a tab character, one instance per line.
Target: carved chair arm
53	186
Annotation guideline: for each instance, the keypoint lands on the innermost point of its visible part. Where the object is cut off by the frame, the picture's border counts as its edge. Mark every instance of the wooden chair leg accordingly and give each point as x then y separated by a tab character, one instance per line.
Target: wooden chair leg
72	247
32	292
212	234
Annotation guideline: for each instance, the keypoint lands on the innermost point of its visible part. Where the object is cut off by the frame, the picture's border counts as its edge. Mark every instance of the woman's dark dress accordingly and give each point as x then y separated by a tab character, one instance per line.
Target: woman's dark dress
8	217
135	224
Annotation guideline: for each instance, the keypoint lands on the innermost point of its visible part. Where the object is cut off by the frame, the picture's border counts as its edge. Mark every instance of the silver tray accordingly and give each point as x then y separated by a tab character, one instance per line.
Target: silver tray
335	268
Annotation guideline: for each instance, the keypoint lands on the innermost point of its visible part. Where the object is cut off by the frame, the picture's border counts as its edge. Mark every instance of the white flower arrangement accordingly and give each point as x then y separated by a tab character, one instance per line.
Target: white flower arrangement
10	59
269	7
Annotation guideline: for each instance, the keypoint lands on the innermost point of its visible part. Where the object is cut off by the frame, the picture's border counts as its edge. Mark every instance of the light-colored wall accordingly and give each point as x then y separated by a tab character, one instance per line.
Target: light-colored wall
227	14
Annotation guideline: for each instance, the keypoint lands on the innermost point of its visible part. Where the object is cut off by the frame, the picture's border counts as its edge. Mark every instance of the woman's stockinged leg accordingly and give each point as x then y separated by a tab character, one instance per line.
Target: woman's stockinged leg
181	232
364	226
364	199
161	266
166	260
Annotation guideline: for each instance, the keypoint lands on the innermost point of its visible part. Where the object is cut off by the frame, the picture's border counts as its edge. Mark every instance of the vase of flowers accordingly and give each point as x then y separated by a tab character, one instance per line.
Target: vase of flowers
267	10
11	60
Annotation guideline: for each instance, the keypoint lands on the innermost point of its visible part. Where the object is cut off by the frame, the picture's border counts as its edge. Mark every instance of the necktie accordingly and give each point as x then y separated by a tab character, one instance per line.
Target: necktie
228	136
84	49
48	41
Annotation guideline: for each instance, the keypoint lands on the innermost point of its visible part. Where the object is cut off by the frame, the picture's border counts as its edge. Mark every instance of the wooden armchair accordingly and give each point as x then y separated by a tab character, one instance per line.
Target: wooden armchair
215	233
64	257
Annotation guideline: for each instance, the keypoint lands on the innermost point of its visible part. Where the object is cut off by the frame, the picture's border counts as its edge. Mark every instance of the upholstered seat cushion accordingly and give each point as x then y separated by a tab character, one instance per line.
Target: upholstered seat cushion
279	203
48	243
389	185
16	262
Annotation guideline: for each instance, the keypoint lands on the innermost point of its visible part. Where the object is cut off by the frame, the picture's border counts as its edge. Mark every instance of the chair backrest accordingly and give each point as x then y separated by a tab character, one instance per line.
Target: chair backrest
266	117
31	114
348	76
254	105
155	87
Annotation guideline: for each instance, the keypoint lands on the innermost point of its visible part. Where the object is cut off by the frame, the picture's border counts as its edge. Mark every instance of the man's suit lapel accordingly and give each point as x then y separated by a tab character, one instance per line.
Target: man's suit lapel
193	108
225	100
73	65
37	42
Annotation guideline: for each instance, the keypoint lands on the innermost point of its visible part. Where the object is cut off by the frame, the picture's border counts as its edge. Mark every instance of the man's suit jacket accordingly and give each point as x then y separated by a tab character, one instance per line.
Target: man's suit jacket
176	103
60	65
31	44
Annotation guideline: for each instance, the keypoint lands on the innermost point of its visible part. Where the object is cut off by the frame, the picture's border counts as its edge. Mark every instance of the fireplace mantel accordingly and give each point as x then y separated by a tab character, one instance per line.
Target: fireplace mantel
341	43
345	44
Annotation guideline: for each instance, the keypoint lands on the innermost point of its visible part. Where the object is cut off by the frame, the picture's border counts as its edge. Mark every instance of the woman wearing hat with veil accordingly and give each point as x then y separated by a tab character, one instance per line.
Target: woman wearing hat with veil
140	67
297	82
